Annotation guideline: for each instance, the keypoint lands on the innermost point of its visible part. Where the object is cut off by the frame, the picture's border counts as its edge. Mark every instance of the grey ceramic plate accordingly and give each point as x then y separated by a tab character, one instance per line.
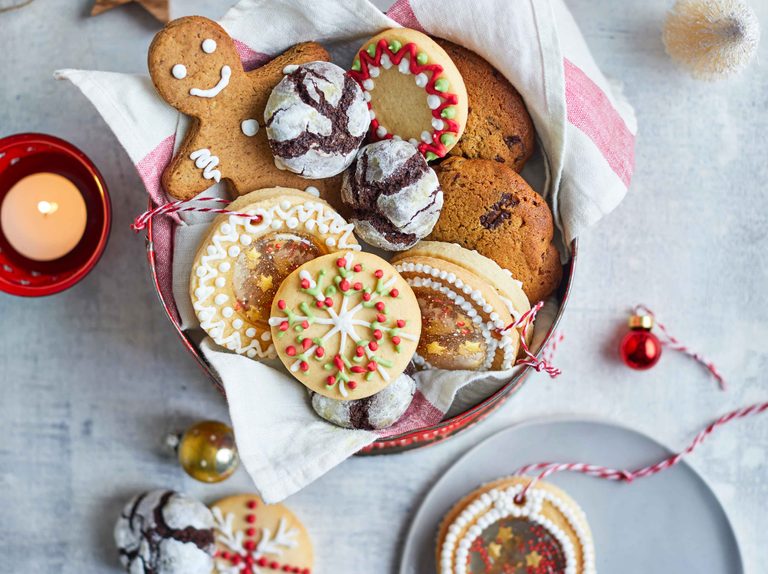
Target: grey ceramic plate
670	523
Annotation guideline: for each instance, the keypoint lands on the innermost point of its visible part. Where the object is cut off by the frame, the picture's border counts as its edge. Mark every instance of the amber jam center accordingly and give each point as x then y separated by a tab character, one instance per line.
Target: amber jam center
262	266
516	546
449	337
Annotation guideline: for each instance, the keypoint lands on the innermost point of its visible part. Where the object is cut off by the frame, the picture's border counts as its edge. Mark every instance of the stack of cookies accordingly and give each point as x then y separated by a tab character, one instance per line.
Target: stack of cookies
413	151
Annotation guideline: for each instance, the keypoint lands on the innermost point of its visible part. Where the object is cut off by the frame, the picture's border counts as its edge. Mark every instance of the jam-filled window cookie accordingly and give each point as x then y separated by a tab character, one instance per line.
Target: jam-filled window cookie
466	301
243	261
414	90
195	67
346	325
491	530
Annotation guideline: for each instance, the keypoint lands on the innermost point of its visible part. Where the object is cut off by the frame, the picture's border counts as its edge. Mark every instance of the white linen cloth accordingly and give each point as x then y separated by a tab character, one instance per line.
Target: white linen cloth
586	133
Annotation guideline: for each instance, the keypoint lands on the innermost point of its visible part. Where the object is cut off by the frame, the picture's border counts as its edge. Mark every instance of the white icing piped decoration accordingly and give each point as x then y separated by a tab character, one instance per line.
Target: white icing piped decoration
433	101
209	46
250	127
179	71
368	84
207	162
381	131
208	304
290	68
225	74
312	190
478	304
421	80
498	504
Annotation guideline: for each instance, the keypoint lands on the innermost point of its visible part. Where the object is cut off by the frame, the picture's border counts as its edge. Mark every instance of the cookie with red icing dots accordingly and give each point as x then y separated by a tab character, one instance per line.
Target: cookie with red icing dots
253	537
414	90
346	324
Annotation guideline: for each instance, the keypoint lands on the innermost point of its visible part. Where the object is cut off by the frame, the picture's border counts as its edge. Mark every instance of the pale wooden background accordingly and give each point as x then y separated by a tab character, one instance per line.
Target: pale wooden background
91	379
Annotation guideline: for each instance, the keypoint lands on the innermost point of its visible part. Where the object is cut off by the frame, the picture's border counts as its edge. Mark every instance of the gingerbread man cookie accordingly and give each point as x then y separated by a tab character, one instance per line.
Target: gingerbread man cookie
195	68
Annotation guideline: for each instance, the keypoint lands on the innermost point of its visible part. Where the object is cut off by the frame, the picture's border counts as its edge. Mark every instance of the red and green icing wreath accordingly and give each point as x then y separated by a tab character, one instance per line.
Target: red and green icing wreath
436	85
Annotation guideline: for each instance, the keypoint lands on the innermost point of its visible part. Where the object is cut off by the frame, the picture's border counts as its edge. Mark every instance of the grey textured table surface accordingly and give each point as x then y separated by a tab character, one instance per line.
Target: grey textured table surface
91	379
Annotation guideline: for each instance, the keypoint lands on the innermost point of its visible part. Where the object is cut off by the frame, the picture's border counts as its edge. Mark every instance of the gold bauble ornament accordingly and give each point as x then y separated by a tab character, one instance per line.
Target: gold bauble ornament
712	38
206	451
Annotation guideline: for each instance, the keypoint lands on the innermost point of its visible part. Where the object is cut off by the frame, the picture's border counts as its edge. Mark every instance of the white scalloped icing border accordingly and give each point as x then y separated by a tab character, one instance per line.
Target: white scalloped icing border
498	504
213	274
473	305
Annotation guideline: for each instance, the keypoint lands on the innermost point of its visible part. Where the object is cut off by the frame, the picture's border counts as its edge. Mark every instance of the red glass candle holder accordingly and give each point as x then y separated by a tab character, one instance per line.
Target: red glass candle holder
25	154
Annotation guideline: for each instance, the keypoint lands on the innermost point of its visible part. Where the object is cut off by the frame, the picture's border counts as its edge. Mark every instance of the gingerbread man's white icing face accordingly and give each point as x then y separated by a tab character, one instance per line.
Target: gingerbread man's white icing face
194	63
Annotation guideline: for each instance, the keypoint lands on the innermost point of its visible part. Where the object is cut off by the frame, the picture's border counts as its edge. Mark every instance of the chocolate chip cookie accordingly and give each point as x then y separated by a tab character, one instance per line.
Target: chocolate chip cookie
498	126
490	208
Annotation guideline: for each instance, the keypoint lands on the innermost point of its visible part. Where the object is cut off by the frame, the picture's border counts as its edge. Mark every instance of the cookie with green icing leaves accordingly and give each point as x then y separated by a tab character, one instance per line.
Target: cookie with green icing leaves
346	324
414	90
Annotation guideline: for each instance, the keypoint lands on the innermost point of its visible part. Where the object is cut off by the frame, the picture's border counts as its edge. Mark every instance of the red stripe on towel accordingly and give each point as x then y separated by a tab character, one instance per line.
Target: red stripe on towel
590	110
151	167
402	13
420	414
250	58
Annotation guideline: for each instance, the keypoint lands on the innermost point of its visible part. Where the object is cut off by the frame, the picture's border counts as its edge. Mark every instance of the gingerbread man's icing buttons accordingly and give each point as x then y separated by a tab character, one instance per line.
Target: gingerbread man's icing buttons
242	262
255	537
413	89
346	325
195	67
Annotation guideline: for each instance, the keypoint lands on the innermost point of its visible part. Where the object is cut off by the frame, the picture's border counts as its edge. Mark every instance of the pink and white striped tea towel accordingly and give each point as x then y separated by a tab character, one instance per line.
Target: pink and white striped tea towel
586	132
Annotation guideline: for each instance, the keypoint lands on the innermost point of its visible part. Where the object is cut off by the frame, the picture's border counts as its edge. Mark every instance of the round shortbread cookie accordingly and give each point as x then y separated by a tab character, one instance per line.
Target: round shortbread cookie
463	314
490	531
242	262
255	537
413	89
346	324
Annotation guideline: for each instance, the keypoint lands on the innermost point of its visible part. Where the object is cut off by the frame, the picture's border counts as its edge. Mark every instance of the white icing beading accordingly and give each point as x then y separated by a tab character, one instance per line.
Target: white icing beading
208	46
471	302
210	306
250	127
499	504
207	162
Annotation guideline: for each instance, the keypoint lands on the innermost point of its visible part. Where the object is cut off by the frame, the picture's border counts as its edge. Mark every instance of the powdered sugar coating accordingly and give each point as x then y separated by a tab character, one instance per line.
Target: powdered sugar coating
164	532
395	195
379	411
316	119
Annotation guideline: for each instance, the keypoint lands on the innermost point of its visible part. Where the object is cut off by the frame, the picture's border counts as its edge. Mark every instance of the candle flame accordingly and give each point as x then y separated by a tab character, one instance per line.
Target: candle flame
47	207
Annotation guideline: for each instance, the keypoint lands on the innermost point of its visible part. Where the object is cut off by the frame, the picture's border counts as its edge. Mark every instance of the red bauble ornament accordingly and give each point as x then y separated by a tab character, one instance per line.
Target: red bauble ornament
640	349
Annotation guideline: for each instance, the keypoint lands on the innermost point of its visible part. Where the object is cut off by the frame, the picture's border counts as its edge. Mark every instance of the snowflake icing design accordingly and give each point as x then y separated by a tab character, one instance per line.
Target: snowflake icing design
360	358
243	555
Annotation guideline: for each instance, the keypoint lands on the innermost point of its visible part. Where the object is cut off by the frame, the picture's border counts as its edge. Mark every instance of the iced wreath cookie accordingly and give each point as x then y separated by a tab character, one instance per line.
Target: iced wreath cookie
490	208
253	537
195	68
316	119
466	301
394	196
164	532
346	324
242	261
414	90
491	532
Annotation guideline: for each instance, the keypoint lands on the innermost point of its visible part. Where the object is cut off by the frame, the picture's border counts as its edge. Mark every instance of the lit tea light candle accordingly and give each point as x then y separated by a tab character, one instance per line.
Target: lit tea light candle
43	216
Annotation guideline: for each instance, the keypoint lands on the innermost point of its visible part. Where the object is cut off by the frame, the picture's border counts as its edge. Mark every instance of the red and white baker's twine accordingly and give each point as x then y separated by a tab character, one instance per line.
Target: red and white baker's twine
674	344
548	468
183	205
524	323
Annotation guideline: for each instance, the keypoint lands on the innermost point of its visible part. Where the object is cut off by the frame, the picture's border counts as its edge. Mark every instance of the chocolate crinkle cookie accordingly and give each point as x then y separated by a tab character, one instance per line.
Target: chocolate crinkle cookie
395	197
316	119
378	411
164	532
